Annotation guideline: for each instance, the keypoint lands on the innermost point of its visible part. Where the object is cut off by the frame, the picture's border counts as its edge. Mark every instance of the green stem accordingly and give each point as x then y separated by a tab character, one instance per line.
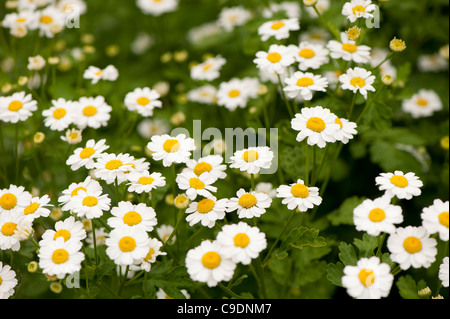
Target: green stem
317	174
95	243
381	239
368	103
229	291
306	164
16	152
352	107
252	180
288	105
330	27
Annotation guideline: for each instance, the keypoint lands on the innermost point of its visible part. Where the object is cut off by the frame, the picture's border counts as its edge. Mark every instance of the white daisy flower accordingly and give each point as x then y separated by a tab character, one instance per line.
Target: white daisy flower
317	124
369	279
266	188
164	232
206	263
95	74
135	216
241	242
86	156
59	257
92	112
299	196
315	35
148	128
67	196
143	100
377	216
194	185
321	6
211	164
60	115
206	94
90	204
432	63
403	186
444	272
348	50
304	84
249	204
252	160
276	60
32	5
232	95
435	219
110	167
171	149
280	29
9	224
37	208
310	55
154	251
51	21
68	229
206	211
141	182
17	107
422	104
232	17
72	136
8	281
14	199
347	130
358	80
208	70
412	246
356	9
20	22
70	7
291	9
127	245
157	7
100	237
36	63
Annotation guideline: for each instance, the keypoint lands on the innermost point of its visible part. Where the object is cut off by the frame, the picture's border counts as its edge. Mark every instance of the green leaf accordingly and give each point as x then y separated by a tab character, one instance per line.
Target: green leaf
366	246
347	254
407	287
335	272
344	214
300	237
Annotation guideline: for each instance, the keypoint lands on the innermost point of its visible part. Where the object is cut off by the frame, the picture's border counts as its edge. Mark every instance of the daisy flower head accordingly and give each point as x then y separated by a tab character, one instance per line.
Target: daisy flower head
95	74
305	84
38	207
206	263
279	29
60	257
249	204
276	60
206	211
266	188
17	107
299	196
369	279
412	247
143	100
72	136
67	196
14	199
435	219
9	225
110	167
208	70
403	186
211	164
51	21
347	130
310	55
69	229
145	182
377	216
348	50
356	9
171	149
90	204
157	7
86	156
195	185
135	216
8	281
232	94
100	237
422	104
358	80
154	250
291	9
36	63
206	94
232	17
127	245
60	115
164	232
317	124
20	22
253	159
92	112
444	272
241	242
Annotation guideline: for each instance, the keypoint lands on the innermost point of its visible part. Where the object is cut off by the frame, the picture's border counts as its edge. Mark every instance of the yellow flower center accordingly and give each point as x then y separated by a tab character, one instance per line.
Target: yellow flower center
234	93
15	106
60	256
205	206
87	152
338	121
1	280
30	209
358	81
196	183
422	102
306	53
113	164
399	181
149	255
73	136
211	260
358	9
59	113
367	277
90	201
274	57
143	101
171	146
8	201
349	47
90	111
300	191
412	245
278	25
241	240
145	180
127	244
201	168
316	124
62	233
250	156
21	20
46	19
132	218
8	228
247	201
377	215
443	219
207	67
75	191
303	82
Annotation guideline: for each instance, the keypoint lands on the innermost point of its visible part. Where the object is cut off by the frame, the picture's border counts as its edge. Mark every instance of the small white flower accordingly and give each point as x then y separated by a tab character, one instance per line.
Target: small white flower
157	7
20	22
310	55
432	63
206	211
232	17
276	60
154	251
37	208
51	21
266	188
9	224
356	9
347	130
403	186
143	100
348	50
195	185
135	216
36	63
422	104
358	80
233	94
252	160
17	107
148	128
8	281
86	156
90	204
249	204
211	164
412	246
127	245
164	232
208	70
73	136
280	29
444	272
171	149
110	167
305	84
60	115
68	229
300	196
369	279
291	9
92	112
206	94
141	182
14	199
435	218
67	196
95	74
